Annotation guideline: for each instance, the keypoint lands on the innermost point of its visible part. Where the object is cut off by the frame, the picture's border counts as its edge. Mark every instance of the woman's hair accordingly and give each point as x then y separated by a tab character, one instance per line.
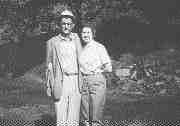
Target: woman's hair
91	26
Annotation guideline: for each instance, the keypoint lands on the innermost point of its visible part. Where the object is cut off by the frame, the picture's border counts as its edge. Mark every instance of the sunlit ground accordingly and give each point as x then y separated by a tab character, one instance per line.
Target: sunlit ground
24	99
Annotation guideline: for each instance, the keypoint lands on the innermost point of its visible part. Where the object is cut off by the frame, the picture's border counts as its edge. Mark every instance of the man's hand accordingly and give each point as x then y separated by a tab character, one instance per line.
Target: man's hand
50	66
48	91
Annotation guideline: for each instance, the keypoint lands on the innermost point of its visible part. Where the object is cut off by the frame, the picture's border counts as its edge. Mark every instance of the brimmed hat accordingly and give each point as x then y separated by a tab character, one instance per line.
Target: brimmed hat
67	13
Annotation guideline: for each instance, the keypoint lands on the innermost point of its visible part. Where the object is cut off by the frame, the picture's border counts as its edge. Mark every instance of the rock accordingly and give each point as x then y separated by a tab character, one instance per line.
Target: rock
33	77
163	91
124	72
127	59
139	82
177	79
3	111
178	71
158	83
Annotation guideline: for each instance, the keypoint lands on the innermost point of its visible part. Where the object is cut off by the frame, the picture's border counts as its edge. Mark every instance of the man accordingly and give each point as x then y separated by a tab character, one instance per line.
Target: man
63	71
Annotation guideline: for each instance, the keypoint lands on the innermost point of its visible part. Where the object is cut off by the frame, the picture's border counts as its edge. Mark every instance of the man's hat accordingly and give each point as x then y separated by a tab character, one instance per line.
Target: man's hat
67	13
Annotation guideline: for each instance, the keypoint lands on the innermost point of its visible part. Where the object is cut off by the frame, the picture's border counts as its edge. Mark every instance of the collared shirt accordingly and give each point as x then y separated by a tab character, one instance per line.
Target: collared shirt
93	57
66	52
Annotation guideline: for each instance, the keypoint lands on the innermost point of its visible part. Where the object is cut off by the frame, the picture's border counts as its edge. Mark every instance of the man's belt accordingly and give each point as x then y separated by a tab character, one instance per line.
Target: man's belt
91	74
70	74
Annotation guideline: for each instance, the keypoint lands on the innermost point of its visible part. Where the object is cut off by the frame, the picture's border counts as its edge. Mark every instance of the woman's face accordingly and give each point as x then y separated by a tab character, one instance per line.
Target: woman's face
87	34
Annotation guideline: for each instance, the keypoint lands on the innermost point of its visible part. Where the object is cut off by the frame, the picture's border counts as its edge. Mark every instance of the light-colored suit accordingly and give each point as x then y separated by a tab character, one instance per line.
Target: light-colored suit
54	74
63	76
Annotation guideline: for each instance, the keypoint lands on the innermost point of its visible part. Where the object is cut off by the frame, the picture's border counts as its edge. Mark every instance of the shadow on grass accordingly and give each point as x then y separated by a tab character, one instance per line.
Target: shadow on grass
46	120
158	108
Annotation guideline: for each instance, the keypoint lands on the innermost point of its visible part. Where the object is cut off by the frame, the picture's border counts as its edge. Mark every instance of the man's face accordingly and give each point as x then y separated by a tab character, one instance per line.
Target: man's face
66	25
87	34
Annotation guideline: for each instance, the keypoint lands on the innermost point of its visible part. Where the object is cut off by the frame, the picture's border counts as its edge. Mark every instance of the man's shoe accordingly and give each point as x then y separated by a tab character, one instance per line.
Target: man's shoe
84	123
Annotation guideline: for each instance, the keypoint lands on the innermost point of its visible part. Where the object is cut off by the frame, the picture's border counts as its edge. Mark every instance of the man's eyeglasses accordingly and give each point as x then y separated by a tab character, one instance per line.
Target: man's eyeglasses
62	23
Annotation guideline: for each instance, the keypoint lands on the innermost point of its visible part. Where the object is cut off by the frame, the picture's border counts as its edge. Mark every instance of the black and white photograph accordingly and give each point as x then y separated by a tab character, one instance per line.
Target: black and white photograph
89	63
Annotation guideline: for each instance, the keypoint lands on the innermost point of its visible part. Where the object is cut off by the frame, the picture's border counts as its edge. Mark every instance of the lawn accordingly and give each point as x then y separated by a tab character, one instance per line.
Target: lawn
25	99
23	102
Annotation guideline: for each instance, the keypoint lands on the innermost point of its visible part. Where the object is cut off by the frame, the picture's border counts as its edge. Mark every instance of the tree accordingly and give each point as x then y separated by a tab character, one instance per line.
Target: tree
31	12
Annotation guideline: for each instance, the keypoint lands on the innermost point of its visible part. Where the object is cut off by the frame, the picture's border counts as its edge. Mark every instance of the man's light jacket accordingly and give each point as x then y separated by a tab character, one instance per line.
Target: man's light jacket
56	65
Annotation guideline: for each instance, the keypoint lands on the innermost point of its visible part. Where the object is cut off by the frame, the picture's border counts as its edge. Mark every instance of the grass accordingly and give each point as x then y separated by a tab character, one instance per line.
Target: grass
25	99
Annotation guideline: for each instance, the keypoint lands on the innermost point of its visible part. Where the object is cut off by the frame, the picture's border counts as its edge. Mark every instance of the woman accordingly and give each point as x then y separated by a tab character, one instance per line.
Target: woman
94	62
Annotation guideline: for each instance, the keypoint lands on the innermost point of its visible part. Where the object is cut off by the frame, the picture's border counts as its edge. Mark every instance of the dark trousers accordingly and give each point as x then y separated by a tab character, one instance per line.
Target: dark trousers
93	98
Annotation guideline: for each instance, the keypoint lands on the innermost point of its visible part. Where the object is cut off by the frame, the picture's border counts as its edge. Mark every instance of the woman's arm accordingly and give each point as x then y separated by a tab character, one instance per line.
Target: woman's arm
105	59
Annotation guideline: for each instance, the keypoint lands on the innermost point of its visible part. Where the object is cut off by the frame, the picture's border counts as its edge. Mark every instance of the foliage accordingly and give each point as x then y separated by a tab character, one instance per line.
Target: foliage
23	15
154	74
99	11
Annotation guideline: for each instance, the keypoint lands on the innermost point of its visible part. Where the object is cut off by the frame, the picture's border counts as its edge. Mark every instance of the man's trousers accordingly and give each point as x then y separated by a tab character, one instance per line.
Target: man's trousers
68	107
93	98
